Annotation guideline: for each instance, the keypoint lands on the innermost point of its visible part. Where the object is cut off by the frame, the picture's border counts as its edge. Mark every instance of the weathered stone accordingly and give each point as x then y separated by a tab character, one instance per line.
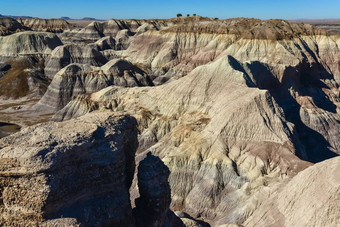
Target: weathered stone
81	169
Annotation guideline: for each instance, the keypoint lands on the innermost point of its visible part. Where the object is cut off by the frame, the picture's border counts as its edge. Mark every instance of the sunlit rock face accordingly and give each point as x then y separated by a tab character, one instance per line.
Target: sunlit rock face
27	43
45	25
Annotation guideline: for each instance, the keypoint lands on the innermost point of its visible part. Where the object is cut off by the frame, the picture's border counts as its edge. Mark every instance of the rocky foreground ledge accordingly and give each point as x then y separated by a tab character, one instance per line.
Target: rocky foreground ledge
76	173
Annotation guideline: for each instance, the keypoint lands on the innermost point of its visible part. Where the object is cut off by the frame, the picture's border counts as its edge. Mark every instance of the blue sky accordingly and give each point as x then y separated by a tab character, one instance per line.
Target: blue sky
105	9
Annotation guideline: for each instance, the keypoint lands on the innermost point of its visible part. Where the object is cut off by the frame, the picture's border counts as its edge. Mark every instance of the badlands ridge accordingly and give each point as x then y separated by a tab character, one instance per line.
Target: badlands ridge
180	122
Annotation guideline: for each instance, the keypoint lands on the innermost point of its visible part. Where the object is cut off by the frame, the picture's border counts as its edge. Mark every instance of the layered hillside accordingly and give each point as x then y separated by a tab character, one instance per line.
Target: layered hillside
75	79
45	25
184	46
97	30
9	26
262	107
72	53
23	55
27	43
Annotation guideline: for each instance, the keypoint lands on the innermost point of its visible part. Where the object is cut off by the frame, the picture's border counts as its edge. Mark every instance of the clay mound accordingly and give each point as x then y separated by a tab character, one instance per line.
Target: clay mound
311	198
77	79
93	31
45	25
27	43
123	39
105	43
9	26
72	53
151	25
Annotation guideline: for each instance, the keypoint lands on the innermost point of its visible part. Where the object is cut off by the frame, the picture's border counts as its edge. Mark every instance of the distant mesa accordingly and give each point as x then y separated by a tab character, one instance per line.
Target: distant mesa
89	18
84	18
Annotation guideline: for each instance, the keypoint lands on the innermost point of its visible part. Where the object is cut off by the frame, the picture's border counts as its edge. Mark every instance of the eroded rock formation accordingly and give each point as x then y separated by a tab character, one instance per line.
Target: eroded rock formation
77	79
27	43
104	43
9	26
244	106
97	30
80	170
45	25
79	173
72	53
245	120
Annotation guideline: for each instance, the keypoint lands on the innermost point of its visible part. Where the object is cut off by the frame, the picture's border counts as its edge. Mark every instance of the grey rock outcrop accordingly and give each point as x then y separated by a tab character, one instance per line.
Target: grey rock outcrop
123	39
72	53
27	43
76	172
77	79
104	43
97	30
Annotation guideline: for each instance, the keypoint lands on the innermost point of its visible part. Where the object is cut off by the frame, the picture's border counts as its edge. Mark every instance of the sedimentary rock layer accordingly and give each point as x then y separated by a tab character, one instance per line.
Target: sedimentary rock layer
27	43
9	26
97	30
72	53
213	133
77	79
45	25
104	43
182	47
246	105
